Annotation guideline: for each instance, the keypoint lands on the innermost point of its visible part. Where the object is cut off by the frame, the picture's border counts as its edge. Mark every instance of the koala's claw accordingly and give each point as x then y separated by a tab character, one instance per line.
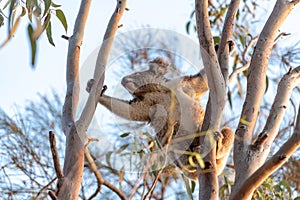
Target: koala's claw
103	90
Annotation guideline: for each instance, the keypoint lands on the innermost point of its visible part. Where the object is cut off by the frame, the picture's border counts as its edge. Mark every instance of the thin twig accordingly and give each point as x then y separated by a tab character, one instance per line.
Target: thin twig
170	131
94	169
52	195
237	71
247	49
44	188
99	177
245	52
144	173
281	35
52	140
153	184
284	91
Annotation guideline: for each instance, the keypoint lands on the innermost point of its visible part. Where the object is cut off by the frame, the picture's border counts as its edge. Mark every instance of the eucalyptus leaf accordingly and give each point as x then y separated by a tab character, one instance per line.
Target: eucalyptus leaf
1	20
30	32
55	5
47	4
61	16
49	34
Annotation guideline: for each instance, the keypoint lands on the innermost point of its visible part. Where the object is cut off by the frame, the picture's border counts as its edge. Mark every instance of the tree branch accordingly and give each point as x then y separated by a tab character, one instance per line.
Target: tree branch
237	71
255	91
58	170
258	66
171	123
152	159
284	91
76	135
72	78
226	36
245	52
208	182
99	72
74	158
271	165
44	188
247	49
99	177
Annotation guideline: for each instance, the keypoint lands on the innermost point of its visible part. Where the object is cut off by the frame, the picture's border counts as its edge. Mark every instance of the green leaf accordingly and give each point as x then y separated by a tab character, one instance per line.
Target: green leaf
193	184
47	4
107	158
259	194
32	44
122	148
217	39
124	135
242	40
229	98
29	5
49	34
267	84
223	10
237	15
7	3
277	188
61	16
55	5
192	14
1	20
286	184
187	186
187	27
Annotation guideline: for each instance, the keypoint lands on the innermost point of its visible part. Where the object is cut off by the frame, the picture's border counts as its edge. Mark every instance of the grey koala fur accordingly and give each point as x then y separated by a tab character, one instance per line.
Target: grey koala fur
173	109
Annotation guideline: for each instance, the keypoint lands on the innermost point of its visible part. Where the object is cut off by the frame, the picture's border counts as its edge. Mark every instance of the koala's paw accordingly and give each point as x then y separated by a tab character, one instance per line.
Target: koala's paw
218	136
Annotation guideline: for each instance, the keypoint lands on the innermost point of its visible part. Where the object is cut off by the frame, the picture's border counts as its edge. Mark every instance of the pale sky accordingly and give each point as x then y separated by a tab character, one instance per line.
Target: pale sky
19	82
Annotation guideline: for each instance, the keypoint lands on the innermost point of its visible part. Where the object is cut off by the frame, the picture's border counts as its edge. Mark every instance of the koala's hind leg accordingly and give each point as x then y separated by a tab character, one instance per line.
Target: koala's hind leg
225	141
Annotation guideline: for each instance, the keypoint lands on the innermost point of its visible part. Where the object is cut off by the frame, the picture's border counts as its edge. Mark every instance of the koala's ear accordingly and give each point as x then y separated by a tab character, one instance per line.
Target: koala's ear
159	66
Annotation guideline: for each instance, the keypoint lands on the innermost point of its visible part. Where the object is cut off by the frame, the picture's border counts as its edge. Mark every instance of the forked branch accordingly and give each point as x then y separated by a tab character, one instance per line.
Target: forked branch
100	179
271	165
284	91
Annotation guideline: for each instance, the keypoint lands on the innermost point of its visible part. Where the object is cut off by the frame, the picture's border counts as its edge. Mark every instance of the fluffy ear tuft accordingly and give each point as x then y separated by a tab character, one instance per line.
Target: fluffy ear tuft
159	66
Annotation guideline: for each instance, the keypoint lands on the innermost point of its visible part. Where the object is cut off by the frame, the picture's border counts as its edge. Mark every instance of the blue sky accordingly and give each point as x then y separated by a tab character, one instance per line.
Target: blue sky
20	82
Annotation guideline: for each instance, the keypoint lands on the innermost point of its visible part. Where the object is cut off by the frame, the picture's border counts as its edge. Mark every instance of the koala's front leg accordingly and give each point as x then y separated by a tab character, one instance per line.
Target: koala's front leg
130	110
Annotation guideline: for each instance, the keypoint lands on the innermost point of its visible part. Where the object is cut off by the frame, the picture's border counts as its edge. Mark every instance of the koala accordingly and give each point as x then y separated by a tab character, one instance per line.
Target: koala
172	107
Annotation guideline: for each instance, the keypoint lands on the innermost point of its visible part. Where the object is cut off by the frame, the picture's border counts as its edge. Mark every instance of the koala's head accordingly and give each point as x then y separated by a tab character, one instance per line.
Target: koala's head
149	80
195	86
